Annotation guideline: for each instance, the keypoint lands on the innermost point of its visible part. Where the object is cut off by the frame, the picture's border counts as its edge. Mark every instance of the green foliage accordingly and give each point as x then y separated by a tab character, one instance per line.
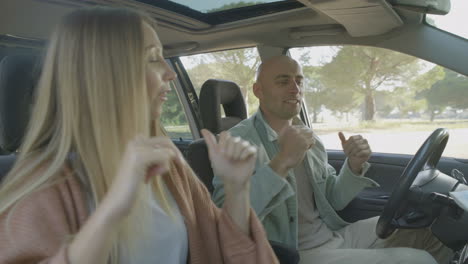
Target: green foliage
406	102
232	6
451	91
426	80
238	66
356	73
173	114
385	103
314	91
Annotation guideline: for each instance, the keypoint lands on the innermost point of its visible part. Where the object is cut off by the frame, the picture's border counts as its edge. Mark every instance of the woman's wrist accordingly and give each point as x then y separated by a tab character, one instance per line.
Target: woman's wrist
237	205
237	189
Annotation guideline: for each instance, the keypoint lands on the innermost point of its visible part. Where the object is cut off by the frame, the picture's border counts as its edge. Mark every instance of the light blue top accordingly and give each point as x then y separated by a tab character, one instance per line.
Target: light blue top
167	240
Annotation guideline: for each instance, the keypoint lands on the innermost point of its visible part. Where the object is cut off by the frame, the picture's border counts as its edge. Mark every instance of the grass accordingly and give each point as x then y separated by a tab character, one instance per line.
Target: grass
390	125
184	132
179	132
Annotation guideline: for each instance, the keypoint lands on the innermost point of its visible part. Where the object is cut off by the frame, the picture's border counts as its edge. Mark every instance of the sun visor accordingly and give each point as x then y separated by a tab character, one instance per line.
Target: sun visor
359	17
436	7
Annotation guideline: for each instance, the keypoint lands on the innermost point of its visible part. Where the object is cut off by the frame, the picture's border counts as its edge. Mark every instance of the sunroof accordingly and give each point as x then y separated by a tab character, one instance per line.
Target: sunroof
216	12
210	6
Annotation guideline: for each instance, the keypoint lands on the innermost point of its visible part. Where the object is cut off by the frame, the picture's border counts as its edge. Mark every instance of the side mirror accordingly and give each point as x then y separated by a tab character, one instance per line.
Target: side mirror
436	7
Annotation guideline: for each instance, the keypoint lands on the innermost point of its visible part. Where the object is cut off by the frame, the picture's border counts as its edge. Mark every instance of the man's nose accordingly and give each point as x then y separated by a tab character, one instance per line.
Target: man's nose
295	88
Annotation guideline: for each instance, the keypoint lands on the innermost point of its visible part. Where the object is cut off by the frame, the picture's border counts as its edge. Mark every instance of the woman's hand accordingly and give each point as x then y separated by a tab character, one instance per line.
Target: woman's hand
143	159
232	159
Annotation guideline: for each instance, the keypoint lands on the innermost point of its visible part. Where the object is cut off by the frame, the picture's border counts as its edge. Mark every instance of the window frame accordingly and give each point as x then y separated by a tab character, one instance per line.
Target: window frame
190	107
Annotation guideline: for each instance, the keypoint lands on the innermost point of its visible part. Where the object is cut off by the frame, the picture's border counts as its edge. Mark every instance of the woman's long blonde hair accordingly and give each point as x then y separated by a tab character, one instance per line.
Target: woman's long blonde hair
91	100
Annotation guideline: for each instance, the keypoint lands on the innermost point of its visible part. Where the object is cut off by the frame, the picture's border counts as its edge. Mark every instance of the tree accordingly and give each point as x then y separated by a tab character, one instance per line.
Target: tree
406	101
201	73
237	65
406	98
356	73
450	91
385	103
342	101
173	114
314	91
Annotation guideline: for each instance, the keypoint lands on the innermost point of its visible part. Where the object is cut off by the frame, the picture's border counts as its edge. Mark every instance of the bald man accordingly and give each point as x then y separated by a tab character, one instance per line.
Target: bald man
296	193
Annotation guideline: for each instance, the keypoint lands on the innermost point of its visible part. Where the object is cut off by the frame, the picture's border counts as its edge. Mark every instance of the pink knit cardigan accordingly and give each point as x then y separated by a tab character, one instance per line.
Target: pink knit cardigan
40	225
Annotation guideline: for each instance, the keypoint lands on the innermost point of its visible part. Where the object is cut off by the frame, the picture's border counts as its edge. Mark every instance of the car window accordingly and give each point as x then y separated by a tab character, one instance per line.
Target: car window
173	117
237	65
393	99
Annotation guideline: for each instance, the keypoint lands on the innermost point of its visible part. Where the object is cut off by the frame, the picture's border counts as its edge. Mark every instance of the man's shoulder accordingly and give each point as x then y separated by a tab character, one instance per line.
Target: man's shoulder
244	129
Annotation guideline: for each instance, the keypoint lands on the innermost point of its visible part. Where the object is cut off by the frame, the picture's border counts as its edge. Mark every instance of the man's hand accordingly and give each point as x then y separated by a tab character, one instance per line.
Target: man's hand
357	150
293	142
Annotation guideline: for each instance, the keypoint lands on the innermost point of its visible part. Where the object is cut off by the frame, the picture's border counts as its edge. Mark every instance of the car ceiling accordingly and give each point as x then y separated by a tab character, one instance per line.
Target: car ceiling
330	20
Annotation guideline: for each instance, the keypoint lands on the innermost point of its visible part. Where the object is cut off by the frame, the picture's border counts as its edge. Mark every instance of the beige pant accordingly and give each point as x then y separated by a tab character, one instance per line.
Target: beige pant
357	243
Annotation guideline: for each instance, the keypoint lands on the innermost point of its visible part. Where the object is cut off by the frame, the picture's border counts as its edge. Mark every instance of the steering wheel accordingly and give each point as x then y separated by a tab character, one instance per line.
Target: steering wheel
427	157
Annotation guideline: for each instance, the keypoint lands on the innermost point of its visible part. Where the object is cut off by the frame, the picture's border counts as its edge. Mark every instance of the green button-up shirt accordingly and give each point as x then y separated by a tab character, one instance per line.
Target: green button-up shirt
274	198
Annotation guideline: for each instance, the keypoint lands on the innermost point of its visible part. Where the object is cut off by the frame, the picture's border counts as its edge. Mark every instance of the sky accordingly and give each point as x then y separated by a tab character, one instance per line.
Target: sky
456	21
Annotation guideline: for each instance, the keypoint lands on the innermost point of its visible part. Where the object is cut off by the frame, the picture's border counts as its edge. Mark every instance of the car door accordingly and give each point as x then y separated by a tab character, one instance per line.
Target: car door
385	169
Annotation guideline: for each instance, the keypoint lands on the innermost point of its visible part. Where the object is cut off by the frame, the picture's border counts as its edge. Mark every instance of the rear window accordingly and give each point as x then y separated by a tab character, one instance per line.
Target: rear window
238	65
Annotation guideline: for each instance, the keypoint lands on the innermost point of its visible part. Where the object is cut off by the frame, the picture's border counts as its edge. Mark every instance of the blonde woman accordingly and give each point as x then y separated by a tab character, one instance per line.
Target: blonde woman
95	182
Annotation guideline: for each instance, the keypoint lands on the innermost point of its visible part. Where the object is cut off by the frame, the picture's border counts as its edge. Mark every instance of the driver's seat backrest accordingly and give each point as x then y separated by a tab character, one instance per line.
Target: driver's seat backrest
214	94
18	76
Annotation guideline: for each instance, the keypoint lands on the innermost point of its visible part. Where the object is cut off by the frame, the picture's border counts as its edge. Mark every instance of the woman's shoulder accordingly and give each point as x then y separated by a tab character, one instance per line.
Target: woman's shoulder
58	203
42	221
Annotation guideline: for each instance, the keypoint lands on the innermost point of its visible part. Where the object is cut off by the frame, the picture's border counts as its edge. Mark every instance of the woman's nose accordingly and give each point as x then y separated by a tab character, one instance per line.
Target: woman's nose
169	74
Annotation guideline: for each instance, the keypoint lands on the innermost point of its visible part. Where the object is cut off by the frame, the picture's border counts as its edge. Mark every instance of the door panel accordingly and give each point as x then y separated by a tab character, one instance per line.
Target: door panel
386	170
182	145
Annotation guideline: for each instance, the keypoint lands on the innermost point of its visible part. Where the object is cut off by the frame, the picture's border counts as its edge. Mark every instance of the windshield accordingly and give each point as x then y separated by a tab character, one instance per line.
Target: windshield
455	21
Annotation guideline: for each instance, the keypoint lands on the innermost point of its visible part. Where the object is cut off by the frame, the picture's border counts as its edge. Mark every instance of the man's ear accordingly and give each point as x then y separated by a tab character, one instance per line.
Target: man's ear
257	90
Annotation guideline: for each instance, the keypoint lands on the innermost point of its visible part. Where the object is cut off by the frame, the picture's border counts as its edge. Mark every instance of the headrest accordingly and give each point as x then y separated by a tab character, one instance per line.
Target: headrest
18	75
215	93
